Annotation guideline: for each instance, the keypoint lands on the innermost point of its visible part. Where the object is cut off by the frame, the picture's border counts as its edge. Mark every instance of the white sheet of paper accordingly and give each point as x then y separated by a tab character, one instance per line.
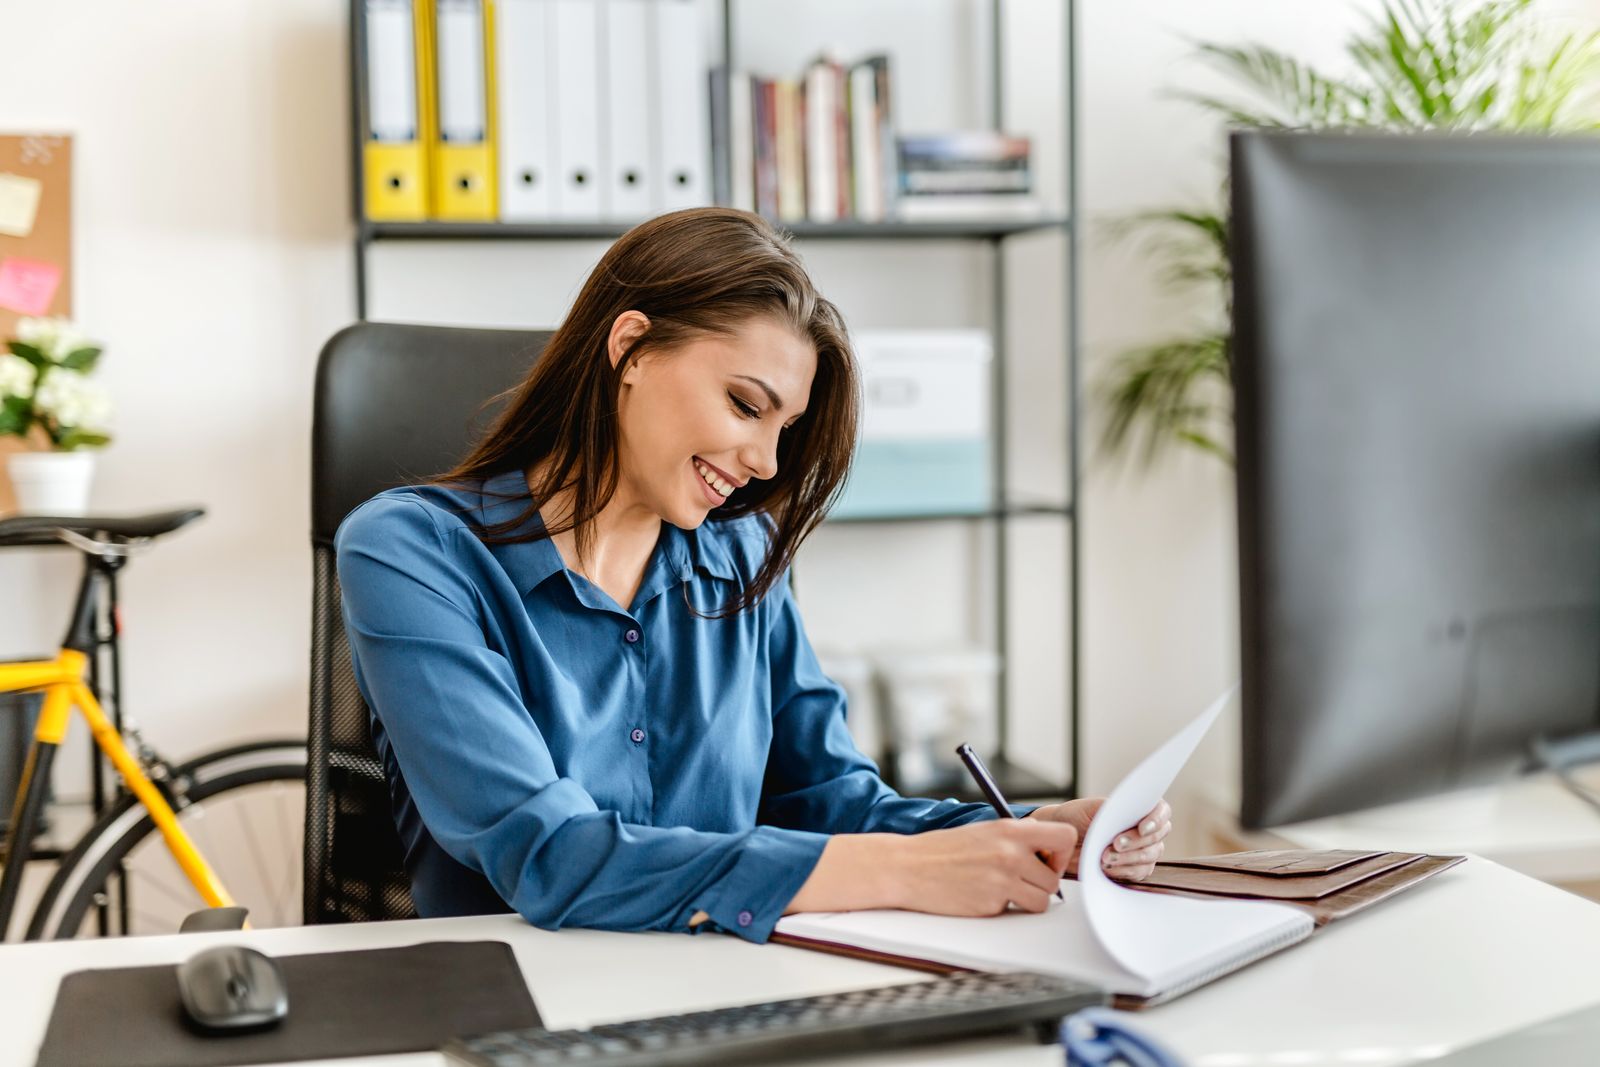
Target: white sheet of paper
19	204
1148	933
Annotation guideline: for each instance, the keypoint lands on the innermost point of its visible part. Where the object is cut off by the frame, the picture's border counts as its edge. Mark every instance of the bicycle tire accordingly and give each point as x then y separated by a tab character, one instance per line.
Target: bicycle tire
84	870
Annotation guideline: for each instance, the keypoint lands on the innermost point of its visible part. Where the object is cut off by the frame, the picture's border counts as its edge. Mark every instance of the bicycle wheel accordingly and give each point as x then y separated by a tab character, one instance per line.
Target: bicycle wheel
245	812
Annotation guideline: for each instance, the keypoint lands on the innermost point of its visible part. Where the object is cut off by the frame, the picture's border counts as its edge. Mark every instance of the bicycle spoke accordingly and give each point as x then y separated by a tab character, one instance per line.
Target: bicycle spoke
287	847
176	895
265	878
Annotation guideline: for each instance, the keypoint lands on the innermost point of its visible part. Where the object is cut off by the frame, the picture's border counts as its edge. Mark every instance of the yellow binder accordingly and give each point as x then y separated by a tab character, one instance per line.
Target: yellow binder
394	143
460	103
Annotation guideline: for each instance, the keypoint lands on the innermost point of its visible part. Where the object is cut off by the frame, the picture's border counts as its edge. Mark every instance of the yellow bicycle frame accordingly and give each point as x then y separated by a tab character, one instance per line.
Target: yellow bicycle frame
62	682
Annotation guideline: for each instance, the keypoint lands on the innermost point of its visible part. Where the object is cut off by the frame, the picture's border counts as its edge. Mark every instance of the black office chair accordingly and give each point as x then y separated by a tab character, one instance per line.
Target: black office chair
393	405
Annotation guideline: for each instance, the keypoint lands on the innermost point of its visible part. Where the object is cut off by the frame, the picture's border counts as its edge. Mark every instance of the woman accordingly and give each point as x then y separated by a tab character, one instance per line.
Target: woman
591	689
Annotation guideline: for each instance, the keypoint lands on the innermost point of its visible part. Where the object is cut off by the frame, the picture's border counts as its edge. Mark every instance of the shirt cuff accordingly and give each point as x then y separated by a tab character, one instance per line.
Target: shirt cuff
773	864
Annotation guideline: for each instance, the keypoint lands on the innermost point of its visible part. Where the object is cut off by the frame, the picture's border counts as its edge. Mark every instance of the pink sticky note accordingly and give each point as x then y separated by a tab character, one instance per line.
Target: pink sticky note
28	285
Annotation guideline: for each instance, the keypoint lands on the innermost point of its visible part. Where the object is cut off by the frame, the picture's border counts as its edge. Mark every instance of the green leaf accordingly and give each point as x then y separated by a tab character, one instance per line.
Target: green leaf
30	353
72	440
15	416
82	359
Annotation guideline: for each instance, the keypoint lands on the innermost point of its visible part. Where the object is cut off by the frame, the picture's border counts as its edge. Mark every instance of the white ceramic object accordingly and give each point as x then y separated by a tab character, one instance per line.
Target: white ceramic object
52	483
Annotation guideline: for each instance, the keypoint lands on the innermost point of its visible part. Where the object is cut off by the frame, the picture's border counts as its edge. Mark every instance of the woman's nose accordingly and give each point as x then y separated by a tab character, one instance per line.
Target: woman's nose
761	457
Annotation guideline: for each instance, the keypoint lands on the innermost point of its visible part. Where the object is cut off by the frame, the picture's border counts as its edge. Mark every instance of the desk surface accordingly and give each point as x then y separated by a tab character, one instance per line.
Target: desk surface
1477	952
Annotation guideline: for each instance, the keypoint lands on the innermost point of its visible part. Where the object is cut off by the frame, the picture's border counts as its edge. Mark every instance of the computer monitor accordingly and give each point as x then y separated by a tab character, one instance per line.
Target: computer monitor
1417	364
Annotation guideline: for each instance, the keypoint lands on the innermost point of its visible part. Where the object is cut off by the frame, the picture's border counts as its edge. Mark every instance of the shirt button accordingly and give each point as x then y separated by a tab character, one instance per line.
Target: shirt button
745	918
637	735
631	636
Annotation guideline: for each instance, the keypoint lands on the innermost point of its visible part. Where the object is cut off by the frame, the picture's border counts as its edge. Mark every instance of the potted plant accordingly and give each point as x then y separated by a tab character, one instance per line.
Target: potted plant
1419	65
47	399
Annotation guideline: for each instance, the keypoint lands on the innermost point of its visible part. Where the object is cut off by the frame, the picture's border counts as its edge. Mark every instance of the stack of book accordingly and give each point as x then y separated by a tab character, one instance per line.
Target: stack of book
976	174
817	148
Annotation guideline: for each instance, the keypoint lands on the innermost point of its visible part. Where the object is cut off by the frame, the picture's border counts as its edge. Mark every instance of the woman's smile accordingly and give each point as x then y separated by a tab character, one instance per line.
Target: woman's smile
713	483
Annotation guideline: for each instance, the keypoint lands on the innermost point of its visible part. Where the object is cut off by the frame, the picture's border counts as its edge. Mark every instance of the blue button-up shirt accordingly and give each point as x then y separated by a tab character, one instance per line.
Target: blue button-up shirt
590	764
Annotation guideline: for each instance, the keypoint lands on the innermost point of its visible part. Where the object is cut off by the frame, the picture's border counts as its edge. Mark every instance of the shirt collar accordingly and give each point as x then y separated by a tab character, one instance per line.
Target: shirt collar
711	551
505	496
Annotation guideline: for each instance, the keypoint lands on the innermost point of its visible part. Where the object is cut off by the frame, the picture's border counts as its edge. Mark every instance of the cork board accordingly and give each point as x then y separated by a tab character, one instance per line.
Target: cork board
35	242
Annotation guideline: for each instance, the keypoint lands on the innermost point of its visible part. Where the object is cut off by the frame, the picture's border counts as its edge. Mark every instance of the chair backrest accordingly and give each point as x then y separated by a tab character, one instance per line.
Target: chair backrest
393	404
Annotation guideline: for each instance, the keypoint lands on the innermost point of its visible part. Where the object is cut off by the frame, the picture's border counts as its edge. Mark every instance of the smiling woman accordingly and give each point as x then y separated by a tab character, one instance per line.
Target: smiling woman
590	687
678	355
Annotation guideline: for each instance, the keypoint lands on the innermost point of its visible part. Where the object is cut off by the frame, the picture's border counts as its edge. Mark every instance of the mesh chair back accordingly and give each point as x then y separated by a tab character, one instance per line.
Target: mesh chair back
393	404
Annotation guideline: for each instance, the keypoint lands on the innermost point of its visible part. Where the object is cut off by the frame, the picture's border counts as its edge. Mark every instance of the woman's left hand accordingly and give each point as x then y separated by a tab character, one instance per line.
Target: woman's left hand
1132	854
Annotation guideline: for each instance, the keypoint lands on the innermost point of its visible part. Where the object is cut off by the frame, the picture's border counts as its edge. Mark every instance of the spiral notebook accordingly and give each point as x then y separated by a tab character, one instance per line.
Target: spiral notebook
1141	947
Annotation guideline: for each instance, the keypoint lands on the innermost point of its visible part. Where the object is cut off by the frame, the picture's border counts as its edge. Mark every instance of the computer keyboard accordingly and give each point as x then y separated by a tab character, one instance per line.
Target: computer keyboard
957	1006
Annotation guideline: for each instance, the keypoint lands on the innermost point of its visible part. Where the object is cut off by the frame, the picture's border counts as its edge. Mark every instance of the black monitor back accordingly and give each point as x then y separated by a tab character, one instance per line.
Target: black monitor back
1417	365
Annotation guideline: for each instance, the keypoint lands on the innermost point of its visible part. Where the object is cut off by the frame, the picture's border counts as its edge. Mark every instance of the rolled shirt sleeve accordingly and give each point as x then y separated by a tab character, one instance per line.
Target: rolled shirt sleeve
433	664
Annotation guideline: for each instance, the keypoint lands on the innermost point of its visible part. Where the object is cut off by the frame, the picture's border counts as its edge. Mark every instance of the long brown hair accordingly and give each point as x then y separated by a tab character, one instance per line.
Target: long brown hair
691	273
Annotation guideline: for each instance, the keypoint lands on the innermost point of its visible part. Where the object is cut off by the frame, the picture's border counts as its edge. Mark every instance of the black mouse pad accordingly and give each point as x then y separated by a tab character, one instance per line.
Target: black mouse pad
361	1003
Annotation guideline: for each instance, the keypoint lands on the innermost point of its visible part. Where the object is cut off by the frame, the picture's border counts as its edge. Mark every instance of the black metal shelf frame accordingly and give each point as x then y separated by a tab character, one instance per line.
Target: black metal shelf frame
993	232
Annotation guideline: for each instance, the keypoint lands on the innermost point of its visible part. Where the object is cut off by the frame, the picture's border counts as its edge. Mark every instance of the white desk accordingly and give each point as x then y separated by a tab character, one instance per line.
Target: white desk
1476	952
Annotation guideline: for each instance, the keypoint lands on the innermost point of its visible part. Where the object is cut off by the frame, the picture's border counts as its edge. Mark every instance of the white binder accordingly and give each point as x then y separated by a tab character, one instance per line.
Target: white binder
681	93
579	192
633	191
523	70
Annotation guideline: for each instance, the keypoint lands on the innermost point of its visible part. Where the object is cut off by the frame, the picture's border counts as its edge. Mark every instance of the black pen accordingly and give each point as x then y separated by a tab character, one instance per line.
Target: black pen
991	791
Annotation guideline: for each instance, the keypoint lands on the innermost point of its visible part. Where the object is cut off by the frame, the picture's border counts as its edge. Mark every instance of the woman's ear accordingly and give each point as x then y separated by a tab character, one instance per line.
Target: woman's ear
627	328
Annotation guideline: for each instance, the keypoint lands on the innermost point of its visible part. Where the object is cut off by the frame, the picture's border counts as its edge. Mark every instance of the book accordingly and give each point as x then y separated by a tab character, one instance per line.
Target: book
969	161
1143	947
968	207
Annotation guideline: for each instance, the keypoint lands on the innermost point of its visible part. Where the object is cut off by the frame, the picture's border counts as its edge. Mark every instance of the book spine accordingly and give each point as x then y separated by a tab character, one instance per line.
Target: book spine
792	155
721	137
741	142
765	93
821	149
843	204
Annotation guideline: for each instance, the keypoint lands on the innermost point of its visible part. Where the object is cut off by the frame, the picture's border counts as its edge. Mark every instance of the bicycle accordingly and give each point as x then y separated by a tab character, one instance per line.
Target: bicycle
175	802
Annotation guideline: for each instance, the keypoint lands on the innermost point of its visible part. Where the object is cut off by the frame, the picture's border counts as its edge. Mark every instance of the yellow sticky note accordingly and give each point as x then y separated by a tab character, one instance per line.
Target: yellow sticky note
19	204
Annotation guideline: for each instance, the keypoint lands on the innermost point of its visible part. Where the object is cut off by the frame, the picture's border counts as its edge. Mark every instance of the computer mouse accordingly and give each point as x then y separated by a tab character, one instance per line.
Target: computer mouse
232	988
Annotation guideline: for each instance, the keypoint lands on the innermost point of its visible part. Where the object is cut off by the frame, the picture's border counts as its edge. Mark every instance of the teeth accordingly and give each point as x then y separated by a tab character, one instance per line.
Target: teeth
712	480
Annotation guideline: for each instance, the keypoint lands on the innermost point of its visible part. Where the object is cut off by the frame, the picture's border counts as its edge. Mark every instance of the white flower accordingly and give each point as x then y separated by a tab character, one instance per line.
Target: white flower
73	401
56	338
16	376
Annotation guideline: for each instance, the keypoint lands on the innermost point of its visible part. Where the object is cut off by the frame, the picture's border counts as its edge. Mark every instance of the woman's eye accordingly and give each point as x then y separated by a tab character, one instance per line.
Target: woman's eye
742	408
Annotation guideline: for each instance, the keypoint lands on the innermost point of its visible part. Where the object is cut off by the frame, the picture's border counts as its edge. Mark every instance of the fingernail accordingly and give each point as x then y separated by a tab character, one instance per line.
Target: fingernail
1148	826
1122	842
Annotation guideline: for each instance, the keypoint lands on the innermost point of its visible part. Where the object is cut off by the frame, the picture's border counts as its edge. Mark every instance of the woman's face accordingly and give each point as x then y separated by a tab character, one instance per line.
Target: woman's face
712	409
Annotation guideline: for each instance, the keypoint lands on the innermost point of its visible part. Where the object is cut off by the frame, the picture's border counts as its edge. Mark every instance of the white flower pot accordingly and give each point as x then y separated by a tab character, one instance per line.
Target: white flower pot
52	483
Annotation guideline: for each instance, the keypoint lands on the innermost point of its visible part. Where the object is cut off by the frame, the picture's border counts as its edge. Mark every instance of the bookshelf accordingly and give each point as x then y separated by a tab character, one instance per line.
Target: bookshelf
1018	782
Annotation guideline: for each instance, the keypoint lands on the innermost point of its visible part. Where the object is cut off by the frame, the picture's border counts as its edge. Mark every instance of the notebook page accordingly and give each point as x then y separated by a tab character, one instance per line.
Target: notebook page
1168	940
1055	941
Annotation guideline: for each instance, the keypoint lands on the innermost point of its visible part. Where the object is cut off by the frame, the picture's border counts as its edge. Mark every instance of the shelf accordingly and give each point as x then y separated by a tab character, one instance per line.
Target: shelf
557	231
1017	784
1008	511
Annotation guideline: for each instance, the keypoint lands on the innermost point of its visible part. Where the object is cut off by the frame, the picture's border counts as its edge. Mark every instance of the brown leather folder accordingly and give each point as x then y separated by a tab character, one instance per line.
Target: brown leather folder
1330	884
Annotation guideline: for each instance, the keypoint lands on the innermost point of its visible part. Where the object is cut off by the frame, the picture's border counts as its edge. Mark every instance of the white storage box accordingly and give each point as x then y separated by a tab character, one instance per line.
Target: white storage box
925	433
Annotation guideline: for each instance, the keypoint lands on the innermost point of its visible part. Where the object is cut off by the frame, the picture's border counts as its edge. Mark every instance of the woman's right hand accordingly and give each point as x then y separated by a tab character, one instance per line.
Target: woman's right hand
975	869
979	868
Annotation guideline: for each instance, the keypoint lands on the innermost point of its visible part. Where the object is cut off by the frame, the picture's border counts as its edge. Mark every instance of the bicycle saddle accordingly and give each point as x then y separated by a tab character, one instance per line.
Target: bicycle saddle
40	529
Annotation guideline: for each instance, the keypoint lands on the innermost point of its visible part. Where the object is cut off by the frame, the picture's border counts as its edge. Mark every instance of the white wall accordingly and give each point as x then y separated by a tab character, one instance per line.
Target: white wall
213	258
